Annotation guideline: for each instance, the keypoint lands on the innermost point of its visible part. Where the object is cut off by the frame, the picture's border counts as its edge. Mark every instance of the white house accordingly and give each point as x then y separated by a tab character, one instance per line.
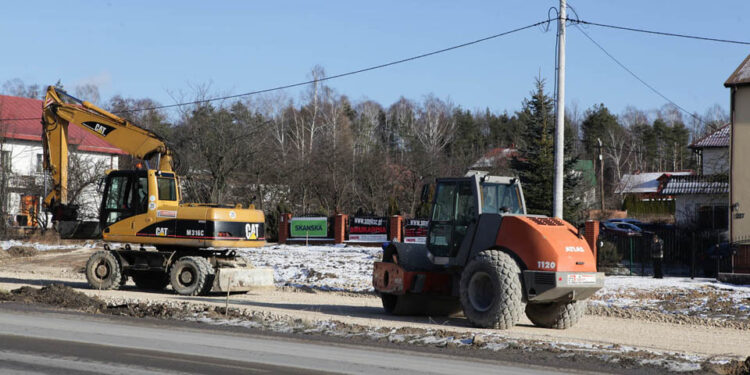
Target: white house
21	157
702	201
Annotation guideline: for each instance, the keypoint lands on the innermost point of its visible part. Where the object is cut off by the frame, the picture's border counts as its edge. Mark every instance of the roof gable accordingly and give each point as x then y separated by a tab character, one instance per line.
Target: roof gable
23	122
741	75
719	138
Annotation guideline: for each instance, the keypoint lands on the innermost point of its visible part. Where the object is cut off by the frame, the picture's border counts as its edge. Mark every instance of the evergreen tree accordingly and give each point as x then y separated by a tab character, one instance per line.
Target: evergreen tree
598	120
535	162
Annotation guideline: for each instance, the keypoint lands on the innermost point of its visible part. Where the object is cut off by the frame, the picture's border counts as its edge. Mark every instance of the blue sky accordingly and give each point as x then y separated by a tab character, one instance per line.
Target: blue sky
151	48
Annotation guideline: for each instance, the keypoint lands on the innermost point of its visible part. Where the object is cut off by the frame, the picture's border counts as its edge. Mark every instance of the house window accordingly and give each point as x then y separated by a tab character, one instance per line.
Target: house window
39	163
5	161
713	217
721	217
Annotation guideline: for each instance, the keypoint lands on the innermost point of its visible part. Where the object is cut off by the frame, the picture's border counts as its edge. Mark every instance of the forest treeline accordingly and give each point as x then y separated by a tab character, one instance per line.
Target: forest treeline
323	153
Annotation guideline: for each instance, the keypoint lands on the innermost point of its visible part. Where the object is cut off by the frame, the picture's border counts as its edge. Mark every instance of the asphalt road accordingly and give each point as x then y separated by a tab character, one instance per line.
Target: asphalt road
48	342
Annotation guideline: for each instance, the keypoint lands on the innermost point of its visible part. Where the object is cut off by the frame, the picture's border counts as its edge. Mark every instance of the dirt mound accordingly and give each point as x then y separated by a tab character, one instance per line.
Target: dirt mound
148	310
22	251
732	368
661	317
55	295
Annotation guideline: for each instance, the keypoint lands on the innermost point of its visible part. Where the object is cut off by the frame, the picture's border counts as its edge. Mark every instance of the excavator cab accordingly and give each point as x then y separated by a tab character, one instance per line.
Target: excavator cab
125	194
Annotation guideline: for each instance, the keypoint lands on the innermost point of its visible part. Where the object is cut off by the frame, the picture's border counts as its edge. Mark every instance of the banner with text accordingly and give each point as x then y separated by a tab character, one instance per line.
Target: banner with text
415	231
368	229
309	227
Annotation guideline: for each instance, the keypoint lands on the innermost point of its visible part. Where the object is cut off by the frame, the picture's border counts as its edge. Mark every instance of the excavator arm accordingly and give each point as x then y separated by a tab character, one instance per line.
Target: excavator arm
60	110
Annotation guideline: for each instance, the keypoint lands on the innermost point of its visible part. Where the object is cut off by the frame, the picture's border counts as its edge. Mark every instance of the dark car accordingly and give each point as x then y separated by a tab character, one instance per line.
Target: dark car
622	228
635	222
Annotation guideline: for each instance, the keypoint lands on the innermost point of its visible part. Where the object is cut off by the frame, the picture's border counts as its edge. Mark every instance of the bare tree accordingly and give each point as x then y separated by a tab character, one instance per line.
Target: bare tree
5	174
435	127
84	173
366	126
671	114
16	87
88	92
632	116
618	149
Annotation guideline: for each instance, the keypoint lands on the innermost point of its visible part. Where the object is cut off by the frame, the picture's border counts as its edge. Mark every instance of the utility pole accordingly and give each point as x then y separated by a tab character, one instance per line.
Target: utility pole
601	174
557	189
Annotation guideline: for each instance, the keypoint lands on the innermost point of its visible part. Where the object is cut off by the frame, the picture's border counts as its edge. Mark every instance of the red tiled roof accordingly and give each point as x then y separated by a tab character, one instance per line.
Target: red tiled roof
719	138
23	121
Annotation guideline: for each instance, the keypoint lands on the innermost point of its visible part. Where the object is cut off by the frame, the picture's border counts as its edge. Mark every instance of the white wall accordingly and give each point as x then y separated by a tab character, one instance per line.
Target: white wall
715	160
24	162
686	206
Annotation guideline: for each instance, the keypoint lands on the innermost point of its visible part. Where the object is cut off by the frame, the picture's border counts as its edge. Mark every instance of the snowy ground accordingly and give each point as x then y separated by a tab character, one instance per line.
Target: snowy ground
332	267
7	244
700	297
349	268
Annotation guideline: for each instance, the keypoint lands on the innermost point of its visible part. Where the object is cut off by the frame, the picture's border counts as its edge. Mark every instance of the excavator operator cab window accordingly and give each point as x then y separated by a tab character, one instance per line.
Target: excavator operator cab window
125	195
139	195
167	190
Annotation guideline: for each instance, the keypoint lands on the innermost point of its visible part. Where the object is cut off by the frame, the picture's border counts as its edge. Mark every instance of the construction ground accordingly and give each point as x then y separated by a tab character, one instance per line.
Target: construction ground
633	325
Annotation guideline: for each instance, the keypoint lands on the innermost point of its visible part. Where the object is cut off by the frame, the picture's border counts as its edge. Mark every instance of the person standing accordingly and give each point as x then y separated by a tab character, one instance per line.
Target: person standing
657	256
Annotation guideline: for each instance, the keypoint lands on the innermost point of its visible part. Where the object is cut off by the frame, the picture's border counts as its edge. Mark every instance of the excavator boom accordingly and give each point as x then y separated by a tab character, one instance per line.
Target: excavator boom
60	109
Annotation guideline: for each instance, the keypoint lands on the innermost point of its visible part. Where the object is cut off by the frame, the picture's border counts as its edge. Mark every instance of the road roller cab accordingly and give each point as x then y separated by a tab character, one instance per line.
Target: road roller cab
486	257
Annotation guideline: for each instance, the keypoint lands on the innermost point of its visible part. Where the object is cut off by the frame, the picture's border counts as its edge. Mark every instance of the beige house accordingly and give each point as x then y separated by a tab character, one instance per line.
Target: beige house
739	165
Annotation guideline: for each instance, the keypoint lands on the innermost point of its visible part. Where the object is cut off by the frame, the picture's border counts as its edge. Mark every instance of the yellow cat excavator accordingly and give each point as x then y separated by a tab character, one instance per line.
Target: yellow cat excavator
193	242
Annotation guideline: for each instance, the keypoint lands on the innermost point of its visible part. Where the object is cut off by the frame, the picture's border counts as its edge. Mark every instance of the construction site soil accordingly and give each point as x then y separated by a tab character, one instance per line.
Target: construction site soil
609	338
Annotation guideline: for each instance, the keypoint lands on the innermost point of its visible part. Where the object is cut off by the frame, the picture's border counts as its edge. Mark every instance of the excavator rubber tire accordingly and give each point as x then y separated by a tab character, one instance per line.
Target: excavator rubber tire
559	315
150	280
103	271
491	290
192	276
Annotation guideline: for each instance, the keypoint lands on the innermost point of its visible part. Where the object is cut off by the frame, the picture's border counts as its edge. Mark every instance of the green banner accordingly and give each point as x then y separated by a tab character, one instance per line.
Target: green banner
309	227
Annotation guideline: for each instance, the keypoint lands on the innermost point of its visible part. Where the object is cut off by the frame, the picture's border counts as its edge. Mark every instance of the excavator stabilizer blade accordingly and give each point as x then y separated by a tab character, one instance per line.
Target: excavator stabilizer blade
242	279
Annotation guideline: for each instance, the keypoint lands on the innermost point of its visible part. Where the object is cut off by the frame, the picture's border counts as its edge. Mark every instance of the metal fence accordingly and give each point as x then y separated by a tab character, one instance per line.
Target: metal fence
686	252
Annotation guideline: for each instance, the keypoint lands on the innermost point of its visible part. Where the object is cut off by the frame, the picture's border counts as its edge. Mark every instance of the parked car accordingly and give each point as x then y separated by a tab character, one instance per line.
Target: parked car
635	222
622	227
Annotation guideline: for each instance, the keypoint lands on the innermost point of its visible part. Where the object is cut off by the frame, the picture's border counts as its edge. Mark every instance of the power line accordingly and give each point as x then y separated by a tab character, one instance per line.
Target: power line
574	21
363	70
662	33
657	92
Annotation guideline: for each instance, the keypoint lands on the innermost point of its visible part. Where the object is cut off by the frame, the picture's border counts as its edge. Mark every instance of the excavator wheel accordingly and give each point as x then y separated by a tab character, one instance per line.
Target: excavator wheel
491	291
103	271
151	280
192	276
560	315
